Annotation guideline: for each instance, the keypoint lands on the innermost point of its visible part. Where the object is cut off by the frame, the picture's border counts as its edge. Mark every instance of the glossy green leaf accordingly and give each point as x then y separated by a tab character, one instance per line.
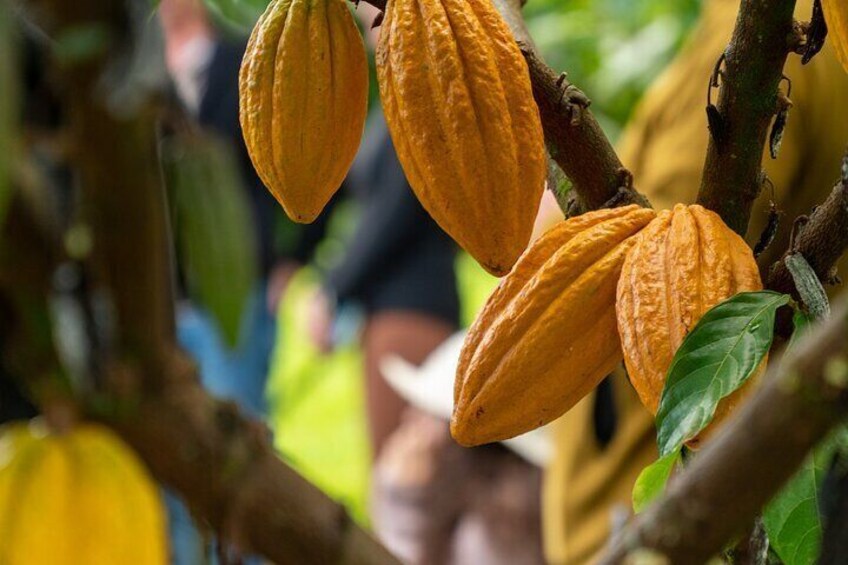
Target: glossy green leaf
217	247
793	518
652	480
720	353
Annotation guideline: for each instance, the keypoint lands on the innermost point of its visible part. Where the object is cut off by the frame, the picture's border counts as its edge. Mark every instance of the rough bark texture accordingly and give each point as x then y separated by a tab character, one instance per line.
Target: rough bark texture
225	468
753	67
721	491
821	241
574	137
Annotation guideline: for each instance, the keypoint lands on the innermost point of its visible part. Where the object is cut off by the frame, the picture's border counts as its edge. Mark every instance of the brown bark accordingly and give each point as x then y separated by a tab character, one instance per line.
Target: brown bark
821	241
225	468
753	66
574	137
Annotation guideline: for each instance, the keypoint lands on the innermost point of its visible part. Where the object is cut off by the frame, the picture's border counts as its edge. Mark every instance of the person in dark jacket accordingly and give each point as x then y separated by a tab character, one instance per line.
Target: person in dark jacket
399	267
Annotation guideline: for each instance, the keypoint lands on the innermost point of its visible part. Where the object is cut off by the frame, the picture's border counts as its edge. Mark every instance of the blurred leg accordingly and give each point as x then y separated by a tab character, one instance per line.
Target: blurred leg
411	335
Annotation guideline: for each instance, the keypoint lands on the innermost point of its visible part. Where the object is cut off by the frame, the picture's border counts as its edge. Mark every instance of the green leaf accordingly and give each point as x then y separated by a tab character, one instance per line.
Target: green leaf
716	358
213	228
651	481
793	519
801	323
237	15
80	43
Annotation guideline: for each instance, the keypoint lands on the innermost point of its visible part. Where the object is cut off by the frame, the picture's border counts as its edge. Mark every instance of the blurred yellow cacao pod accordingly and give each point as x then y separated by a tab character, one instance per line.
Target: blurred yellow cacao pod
303	89
79	497
836	16
459	105
547	335
685	262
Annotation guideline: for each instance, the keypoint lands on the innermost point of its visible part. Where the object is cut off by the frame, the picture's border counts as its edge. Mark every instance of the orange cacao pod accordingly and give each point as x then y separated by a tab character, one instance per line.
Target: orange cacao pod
303	89
459	105
547	335
836	16
684	263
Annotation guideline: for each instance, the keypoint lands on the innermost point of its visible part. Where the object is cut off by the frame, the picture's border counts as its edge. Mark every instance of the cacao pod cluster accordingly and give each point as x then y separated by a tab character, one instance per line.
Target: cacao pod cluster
77	497
458	103
595	289
836	16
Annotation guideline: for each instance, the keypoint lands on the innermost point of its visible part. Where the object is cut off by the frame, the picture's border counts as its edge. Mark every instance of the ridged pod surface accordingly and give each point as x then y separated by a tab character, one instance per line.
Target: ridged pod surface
80	497
303	89
459	105
547	335
684	263
836	16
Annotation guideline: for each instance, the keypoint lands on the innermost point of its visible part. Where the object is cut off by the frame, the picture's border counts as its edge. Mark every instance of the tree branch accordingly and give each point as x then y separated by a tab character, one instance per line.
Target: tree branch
574	137
224	466
821	241
753	67
721	491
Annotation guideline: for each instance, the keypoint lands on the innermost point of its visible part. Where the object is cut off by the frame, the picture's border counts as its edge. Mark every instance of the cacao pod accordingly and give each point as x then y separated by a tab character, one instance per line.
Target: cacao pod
303	89
685	262
459	105
80	497
836	16
547	335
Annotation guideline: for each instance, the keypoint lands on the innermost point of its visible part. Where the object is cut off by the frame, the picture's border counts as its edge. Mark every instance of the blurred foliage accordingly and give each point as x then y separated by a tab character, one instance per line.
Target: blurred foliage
8	101
611	49
212	218
316	405
237	16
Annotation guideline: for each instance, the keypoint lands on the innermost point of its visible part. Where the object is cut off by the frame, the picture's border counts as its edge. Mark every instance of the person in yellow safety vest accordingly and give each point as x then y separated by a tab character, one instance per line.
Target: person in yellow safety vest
604	442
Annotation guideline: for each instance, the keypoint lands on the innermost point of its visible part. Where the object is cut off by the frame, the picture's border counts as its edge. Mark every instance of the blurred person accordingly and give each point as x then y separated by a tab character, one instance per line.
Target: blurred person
399	267
204	66
609	437
437	503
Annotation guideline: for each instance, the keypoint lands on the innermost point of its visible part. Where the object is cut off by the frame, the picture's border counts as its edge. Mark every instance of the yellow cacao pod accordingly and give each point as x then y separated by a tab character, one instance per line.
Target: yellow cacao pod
303	89
685	262
80	497
547	335
459	105
836	16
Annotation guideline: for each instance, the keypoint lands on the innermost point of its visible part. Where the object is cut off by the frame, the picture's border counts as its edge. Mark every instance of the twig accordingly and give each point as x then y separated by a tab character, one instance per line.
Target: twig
822	241
753	67
718	495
